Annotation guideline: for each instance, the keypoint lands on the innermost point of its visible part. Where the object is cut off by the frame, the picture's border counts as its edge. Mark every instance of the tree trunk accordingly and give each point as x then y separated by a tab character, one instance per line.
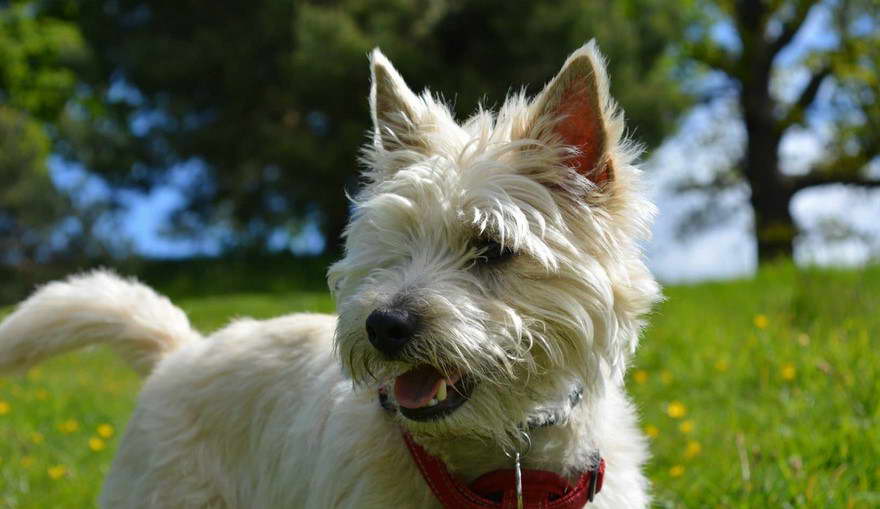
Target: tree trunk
771	198
774	227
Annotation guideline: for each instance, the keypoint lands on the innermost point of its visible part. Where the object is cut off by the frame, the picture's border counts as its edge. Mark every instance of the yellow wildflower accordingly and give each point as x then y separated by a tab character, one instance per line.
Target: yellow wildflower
56	472
4	407
640	376
686	426
721	365
676	410
652	431
693	448
96	444
37	437
676	471
105	430
69	426
41	394
26	461
761	321
788	371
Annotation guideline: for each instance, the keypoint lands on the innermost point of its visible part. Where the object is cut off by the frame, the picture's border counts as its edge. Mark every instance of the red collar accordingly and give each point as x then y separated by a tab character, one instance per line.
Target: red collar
496	490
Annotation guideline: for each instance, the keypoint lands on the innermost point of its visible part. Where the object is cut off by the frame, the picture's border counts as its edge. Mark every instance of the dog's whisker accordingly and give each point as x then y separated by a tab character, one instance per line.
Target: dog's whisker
369	370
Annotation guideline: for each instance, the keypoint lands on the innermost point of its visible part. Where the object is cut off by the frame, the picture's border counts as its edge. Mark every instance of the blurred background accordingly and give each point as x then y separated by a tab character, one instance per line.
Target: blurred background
207	146
137	133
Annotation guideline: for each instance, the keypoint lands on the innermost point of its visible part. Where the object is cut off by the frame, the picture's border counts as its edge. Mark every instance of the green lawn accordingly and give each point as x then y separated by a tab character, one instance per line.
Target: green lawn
758	393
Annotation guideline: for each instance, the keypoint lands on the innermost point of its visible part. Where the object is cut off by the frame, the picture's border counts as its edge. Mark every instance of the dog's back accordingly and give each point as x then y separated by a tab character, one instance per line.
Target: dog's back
220	421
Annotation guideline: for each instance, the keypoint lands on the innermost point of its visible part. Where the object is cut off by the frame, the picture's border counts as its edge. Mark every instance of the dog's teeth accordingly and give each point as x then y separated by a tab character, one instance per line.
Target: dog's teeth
441	393
433	402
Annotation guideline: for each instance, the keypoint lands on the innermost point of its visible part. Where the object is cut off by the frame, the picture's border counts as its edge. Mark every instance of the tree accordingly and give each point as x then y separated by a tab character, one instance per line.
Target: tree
37	81
269	97
848	67
28	207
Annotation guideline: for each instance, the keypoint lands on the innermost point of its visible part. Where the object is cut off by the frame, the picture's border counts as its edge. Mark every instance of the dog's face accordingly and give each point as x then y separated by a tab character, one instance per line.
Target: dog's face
491	264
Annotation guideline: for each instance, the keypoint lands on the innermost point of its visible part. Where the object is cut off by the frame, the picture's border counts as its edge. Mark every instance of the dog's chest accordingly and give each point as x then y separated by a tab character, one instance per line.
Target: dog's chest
374	474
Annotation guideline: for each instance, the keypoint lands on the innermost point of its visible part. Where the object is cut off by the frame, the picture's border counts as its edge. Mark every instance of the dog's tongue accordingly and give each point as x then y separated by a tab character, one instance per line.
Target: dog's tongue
416	387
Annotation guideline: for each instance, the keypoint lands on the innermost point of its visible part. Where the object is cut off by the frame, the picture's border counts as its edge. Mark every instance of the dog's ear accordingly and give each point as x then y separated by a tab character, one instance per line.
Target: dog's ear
394	107
574	109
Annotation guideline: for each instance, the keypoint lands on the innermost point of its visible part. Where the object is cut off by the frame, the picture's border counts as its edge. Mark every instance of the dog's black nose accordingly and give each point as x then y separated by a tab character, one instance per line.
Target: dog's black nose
391	329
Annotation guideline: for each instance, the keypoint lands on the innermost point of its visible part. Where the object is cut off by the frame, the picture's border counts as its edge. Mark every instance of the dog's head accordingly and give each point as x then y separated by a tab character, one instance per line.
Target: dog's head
492	263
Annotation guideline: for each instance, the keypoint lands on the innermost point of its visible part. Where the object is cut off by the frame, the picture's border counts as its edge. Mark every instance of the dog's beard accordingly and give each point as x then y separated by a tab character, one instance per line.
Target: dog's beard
496	412
503	353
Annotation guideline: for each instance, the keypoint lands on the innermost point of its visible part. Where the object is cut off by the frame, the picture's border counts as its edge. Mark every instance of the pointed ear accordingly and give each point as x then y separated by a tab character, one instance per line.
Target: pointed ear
574	105
393	105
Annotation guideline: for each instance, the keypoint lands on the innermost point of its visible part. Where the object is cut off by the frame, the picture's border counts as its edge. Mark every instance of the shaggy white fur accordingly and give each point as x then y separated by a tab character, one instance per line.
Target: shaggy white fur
283	413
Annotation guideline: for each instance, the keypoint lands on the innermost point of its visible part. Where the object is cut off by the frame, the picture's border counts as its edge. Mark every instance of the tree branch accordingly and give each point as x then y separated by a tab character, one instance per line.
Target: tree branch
791	27
844	168
808	94
821	180
714	56
795	114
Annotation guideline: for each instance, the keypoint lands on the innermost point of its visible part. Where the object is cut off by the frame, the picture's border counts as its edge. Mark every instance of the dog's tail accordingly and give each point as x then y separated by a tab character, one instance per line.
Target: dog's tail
93	308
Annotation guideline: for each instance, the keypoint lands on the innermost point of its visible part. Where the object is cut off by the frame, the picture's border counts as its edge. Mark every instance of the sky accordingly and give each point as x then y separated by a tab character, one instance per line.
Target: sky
709	136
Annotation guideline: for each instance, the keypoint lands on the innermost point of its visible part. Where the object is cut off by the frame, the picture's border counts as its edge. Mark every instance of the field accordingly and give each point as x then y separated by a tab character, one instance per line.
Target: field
761	393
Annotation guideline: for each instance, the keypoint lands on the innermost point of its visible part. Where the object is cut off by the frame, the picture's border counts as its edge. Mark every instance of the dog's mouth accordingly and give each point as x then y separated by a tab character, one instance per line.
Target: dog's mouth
424	394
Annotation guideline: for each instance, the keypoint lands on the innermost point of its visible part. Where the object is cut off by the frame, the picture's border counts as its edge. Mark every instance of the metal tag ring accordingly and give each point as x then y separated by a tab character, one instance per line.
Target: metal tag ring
528	441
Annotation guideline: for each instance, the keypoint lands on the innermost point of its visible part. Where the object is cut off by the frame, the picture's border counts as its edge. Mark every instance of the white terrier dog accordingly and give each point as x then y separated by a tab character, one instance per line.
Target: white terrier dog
491	294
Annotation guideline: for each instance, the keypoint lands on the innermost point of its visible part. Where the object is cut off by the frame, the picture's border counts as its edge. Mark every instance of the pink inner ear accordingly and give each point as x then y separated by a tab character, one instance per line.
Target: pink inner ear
581	126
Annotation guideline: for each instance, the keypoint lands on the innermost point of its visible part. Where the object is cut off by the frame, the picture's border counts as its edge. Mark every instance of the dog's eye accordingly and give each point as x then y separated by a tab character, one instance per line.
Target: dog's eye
492	252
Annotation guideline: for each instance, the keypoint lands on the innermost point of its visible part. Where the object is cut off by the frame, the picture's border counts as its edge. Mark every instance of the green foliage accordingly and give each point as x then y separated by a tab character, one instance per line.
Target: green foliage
29	205
856	66
37	61
23	149
760	393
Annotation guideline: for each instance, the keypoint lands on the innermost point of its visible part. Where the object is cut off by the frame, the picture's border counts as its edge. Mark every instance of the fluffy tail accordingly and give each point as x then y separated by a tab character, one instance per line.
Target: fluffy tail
93	308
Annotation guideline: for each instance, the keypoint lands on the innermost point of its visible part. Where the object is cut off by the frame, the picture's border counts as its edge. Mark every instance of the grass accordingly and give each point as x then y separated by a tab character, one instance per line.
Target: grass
756	393
765	393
